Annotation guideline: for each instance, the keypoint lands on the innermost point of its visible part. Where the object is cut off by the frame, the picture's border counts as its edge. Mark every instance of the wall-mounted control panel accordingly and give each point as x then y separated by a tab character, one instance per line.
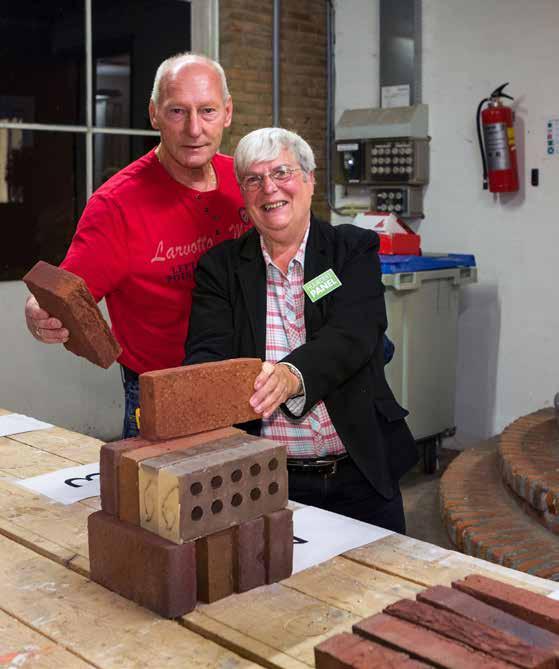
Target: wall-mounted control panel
404	201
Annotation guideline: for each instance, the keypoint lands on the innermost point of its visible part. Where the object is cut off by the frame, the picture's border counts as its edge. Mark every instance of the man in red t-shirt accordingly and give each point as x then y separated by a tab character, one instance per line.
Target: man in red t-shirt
141	234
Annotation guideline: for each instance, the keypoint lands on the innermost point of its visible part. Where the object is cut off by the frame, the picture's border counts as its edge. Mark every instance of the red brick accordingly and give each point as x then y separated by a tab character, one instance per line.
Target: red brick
214	566
502	645
529	606
109	463
128	484
279	545
249	567
66	297
424	644
473	609
349	651
196	398
141	566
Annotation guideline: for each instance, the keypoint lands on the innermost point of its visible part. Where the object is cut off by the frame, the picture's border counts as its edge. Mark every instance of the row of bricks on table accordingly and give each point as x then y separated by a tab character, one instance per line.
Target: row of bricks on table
477	622
211	480
170	578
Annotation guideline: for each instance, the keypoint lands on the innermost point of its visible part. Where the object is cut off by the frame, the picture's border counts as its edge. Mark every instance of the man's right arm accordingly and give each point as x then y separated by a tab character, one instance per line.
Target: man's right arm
97	254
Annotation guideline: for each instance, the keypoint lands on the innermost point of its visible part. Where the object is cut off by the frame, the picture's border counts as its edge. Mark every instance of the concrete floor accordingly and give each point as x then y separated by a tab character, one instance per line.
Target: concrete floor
421	501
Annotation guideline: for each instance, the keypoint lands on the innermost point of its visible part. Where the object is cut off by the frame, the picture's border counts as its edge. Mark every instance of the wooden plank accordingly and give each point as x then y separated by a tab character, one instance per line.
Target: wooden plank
20	646
352	587
94	623
276	625
21	461
71	445
427	565
51	529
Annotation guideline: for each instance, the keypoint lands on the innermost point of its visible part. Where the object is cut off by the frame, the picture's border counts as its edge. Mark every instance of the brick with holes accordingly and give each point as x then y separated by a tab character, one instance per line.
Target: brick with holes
128	479
207	493
148	474
185	400
66	297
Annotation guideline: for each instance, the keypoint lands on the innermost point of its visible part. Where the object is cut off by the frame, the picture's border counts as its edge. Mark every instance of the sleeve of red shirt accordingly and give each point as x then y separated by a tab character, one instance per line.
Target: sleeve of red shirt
99	250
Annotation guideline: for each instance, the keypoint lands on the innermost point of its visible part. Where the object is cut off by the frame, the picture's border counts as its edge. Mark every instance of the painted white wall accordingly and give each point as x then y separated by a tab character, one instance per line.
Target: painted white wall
507	354
49	382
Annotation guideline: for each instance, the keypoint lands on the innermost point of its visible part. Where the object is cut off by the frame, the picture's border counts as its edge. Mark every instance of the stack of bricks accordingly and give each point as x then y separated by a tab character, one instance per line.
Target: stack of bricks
478	622
193	509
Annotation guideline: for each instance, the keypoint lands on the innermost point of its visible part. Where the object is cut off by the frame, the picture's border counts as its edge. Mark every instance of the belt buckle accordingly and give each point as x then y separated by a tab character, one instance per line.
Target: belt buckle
333	470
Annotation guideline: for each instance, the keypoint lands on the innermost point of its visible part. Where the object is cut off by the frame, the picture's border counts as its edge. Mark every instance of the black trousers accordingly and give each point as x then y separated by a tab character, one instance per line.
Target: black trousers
348	493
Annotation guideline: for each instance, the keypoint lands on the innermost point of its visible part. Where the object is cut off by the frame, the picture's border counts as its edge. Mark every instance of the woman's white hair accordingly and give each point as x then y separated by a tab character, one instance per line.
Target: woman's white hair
186	59
266	144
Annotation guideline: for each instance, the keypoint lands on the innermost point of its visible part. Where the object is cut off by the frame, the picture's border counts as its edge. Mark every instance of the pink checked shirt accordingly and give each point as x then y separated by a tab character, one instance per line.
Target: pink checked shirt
314	435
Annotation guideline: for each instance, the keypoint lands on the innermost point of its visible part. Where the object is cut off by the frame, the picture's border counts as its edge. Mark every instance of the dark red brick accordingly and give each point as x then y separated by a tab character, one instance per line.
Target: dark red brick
66	297
141	566
529	606
349	651
196	398
249	567
279	545
473	609
108	466
424	644
214	566
502	645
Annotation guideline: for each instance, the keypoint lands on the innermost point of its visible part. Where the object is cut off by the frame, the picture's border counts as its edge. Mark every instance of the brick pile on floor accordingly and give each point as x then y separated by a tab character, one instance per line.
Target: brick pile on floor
499	502
192	509
478	622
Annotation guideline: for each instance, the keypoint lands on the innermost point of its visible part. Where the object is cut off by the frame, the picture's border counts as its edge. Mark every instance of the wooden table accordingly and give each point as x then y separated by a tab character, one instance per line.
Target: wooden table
51	615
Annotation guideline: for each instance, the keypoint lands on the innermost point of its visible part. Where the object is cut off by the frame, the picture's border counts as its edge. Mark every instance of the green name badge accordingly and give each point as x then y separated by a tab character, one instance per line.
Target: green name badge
321	285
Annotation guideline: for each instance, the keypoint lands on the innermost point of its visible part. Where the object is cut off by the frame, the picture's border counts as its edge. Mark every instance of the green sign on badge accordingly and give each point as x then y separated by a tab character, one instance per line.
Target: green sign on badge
321	285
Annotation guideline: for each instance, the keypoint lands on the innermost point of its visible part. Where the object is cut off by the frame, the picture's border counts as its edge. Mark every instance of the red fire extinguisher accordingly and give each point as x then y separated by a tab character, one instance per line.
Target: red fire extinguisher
498	148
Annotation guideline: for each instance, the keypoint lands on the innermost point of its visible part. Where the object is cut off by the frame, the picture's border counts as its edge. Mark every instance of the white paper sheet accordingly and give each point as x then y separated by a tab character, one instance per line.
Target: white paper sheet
16	423
320	535
66	485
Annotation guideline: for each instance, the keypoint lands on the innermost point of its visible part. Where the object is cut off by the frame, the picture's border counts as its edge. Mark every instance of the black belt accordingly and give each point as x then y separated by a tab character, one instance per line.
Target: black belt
327	466
129	374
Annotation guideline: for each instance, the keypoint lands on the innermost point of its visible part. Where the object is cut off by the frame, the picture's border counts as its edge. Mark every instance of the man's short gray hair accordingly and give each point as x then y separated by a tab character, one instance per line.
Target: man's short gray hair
266	144
186	58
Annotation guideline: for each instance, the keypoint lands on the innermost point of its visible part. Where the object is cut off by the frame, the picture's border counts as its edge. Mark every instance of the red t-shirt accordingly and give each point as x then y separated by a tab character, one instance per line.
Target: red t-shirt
137	244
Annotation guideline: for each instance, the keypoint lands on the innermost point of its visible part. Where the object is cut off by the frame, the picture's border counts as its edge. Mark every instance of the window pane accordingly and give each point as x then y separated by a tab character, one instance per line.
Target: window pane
113	152
130	39
42	192
42	61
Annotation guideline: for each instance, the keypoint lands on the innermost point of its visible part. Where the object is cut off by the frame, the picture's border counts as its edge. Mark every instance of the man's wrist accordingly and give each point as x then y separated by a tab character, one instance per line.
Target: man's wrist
300	390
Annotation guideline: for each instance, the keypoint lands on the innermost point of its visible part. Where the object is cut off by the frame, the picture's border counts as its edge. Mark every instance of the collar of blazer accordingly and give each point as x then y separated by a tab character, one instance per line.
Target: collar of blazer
252	277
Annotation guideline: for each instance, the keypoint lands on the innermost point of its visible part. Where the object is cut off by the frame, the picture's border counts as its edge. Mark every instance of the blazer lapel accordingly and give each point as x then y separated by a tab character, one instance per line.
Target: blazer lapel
252	279
317	261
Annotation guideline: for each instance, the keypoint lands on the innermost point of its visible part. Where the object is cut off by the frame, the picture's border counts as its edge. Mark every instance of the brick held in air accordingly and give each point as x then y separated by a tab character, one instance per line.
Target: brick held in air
249	566
450	599
206	493
128	476
185	400
498	644
279	545
214	565
349	651
529	606
66	297
141	566
148	475
424	644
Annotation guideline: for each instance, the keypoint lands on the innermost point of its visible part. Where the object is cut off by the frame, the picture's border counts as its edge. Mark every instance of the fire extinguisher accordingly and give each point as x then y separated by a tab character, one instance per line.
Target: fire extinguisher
498	148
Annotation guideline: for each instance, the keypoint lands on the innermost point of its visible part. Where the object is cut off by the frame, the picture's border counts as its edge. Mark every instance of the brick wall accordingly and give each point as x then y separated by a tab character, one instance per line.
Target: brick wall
246	54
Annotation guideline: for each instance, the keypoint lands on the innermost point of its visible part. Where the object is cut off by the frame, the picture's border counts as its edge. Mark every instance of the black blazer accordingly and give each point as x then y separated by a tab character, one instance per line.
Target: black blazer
342	361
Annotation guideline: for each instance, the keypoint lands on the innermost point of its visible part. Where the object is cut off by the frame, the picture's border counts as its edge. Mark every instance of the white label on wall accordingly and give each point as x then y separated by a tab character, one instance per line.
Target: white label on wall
395	96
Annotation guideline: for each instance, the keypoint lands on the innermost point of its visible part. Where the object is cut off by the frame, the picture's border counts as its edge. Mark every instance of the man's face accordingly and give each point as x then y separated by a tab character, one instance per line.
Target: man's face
280	211
190	115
